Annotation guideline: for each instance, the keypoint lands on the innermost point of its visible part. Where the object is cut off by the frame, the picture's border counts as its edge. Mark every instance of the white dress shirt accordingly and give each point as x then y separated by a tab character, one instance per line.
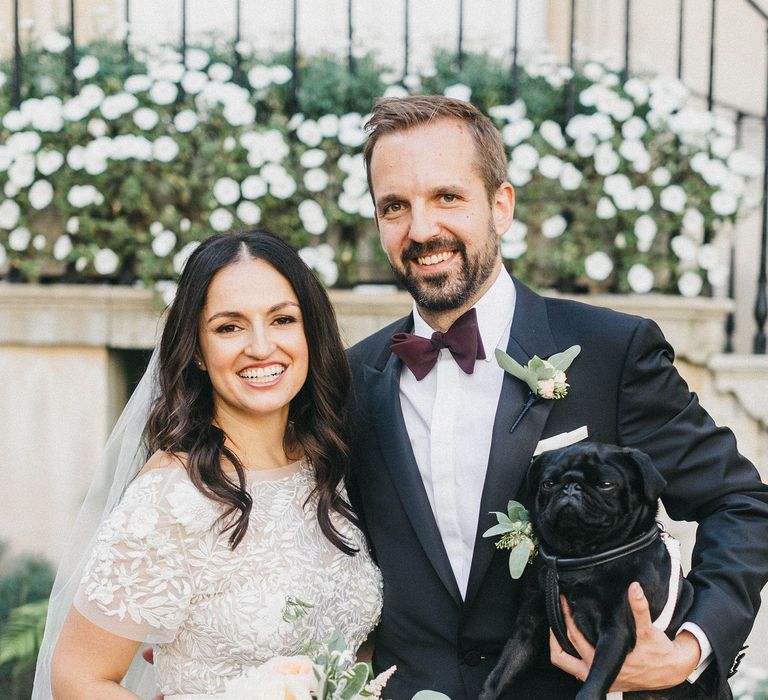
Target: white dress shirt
449	416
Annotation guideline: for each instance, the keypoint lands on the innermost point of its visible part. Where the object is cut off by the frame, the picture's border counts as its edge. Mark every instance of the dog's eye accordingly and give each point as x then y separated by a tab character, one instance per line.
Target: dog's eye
606	486
547	484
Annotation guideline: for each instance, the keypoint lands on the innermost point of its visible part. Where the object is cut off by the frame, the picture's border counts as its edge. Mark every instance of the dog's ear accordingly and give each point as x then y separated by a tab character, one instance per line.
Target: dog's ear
653	481
534	472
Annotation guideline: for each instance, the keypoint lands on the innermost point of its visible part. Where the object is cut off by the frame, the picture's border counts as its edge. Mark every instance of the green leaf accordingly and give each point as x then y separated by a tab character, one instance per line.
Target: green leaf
358	677
518	558
517	511
515	369
563	360
499	529
22	634
502	518
430	695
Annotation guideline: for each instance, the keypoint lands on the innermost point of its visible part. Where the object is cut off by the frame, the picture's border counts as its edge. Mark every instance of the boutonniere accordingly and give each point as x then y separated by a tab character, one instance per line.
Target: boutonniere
545	378
517	536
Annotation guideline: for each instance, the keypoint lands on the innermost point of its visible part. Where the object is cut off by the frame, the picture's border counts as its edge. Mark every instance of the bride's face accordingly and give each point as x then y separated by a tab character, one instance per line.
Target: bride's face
252	341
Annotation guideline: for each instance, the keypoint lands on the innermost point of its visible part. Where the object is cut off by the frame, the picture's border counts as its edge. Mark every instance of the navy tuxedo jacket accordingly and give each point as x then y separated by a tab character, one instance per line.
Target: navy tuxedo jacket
624	388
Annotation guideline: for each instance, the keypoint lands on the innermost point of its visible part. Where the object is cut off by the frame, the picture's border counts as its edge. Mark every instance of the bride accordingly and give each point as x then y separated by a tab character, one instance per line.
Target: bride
234	542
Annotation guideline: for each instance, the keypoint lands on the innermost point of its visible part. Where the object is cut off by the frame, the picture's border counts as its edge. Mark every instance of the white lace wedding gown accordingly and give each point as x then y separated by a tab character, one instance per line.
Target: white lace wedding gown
162	572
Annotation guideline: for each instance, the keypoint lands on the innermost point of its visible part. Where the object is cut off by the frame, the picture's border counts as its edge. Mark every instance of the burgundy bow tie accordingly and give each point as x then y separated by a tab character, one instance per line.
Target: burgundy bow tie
462	339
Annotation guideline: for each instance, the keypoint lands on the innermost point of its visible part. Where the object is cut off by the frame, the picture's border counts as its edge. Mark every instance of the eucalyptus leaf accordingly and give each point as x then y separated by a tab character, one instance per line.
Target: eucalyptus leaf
563	360
500	529
356	682
502	518
518	558
517	511
512	366
430	695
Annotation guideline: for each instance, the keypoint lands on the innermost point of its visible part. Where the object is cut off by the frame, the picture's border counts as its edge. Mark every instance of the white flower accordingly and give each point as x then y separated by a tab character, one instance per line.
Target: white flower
145	118
693	222
19	239
593	71
633	151
312	217
196	59
84	195
598	266
517	131
86	68
351	136
550	167
633	129
458	91
744	163
585	146
239	113
220	72
3	257
605	208
22	172
637	90
163	92
226	191
606	159
167	290
312	158
643	198
673	199
185	121
259	77
194	81
39	241
512	250
708	257
525	156
62	247
684	248
724	203
164	243
640	278
280	74
221	219
718	276
249	213
180	259
282	188
550	131
165	149
690	284
617	184
645	230
115	106
15	120
137	83
253	187
41	194
92	96
55	42
516	232
156	228
23	142
9	214
315	180
97	127
554	226
328	125
309	133
73	225
106	261
661	176
518	176
570	177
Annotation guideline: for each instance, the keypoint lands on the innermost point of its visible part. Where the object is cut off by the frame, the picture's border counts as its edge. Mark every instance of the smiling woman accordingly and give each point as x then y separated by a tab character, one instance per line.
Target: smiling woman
224	540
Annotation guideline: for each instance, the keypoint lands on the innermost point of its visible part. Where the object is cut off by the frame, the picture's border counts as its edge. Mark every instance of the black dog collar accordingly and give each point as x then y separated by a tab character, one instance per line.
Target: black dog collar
554	565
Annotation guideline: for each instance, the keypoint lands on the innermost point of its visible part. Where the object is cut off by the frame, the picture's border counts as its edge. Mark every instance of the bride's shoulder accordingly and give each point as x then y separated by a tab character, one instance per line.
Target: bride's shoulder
165	460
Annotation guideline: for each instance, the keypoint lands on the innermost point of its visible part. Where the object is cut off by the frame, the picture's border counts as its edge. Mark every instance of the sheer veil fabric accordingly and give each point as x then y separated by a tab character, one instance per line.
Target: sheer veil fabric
122	458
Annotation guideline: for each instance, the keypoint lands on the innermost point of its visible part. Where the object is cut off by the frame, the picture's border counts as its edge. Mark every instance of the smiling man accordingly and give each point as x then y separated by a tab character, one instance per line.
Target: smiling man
437	444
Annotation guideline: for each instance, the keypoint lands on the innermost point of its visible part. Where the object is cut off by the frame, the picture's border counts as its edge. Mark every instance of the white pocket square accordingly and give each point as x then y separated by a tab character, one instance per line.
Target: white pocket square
561	440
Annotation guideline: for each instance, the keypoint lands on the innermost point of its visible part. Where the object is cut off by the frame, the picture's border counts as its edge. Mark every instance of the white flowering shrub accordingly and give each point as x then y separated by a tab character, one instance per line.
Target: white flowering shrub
121	181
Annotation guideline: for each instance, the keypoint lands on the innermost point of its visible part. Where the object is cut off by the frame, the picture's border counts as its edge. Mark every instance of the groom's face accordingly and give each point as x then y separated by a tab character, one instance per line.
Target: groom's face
439	227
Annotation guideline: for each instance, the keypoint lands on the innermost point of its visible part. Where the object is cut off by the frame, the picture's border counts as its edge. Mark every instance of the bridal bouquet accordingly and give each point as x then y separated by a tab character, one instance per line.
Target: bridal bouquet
330	674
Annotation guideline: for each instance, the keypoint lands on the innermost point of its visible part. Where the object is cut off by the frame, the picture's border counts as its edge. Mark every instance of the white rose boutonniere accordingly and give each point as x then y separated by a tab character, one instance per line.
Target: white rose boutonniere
545	378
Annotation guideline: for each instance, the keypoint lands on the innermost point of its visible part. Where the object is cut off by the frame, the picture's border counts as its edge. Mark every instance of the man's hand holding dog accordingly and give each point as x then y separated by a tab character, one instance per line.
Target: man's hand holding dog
655	662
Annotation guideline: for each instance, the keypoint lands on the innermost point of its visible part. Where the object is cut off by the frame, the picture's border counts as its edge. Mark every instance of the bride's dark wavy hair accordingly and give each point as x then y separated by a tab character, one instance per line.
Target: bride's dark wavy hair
182	414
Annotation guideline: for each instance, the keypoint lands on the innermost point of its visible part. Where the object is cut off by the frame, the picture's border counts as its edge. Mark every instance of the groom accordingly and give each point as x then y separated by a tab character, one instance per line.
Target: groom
433	453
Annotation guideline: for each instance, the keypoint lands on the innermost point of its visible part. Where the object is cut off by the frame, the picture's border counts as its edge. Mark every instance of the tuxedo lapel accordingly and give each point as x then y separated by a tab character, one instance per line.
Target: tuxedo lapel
382	383
511	452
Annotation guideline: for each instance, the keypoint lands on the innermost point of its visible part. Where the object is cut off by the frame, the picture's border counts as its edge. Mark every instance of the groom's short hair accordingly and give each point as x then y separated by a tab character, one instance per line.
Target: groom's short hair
391	114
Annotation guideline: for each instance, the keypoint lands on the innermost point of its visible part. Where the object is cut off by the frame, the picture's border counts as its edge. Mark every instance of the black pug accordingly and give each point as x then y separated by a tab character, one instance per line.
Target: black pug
593	509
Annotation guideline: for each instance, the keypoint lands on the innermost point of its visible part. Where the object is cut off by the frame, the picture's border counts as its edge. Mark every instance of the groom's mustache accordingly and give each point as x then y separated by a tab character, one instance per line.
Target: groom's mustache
430	247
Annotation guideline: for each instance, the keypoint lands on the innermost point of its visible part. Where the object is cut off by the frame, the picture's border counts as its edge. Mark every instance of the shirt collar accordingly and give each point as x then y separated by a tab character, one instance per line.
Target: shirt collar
494	314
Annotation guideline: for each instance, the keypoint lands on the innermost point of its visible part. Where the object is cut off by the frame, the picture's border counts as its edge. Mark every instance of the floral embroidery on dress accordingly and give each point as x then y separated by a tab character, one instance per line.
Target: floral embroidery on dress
162	571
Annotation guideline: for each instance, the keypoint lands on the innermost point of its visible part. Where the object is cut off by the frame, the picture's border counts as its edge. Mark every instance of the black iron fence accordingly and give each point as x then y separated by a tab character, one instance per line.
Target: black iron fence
712	101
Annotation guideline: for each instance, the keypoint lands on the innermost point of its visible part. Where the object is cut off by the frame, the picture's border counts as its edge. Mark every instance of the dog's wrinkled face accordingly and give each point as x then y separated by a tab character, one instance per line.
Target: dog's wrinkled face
588	497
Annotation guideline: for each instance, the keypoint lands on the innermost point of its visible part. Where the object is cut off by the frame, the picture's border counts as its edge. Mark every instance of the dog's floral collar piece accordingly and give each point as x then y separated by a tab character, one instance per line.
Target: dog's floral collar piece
517	536
545	378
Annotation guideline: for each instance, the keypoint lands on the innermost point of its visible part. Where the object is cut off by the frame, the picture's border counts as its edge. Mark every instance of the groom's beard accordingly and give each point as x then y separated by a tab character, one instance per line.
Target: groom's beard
444	291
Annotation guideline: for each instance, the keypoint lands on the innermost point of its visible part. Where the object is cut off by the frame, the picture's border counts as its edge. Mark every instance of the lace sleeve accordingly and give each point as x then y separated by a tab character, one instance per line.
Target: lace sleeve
138	582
